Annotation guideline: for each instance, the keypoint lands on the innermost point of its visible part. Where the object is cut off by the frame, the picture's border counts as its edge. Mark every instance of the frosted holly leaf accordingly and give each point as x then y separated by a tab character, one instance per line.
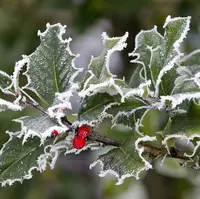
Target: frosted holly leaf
17	161
98	77
137	77
185	126
153	121
145	41
5	82
175	31
62	103
189	74
158	55
5	105
51	68
125	161
127	113
41	127
6	86
93	108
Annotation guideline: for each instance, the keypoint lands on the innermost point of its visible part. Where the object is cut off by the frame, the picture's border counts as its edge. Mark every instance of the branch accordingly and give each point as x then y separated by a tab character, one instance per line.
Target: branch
151	150
95	136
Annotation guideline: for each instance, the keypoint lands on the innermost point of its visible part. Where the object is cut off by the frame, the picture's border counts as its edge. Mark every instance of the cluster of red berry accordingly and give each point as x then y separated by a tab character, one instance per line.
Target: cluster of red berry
79	141
82	133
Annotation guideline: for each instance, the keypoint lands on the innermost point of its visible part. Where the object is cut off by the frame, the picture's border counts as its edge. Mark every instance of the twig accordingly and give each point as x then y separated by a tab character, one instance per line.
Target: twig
37	107
95	136
153	151
105	140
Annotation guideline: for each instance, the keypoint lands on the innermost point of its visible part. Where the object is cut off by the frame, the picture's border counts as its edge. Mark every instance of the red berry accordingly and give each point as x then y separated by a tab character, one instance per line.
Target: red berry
78	142
83	131
54	132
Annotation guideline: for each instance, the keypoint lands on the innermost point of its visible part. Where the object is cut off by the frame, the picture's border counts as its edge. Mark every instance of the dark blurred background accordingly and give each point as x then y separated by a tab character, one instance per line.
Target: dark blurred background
86	20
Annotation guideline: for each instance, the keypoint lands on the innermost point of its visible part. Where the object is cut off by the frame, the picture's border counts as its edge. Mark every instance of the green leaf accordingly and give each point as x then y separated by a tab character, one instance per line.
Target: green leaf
38	126
145	41
189	73
5	82
171	167
126	113
158	55
137	77
185	126
93	108
175	31
153	121
51	68
98	77
17	161
125	161
5	105
99	106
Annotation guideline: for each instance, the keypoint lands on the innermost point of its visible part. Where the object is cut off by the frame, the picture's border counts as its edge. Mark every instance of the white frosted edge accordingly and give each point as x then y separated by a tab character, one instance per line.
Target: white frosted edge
121	179
136	91
100	118
90	89
183	35
137	43
190	55
122	39
151	57
196	79
7	89
9	105
41	164
166	68
49	26
138	124
88	79
17	69
26	133
5	74
141	149
179	98
95	88
183	71
92	146
182	137
125	113
168	19
121	44
62	30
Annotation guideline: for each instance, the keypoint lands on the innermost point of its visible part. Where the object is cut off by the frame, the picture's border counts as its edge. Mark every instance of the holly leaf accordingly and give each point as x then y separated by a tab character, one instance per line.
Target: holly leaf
185	126
5	82
125	161
17	161
158	55
98	77
5	105
145	41
189	73
127	112
93	108
50	68
41	127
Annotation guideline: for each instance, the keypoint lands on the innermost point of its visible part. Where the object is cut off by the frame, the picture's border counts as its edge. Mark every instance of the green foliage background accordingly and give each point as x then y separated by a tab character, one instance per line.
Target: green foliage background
19	22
